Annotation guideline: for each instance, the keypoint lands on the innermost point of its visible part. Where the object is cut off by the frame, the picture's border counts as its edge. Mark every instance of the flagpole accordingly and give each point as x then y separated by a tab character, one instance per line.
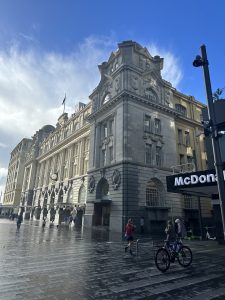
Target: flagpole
64	103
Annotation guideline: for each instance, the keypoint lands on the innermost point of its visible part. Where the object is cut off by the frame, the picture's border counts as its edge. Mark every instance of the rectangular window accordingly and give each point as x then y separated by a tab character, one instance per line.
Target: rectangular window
147	123
111	127
187	139
157	126
181	109
180	137
189	159
148	154
182	159
158	156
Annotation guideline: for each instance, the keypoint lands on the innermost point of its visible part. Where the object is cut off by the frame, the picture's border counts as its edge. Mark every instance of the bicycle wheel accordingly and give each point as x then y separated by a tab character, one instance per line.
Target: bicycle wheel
162	260
184	256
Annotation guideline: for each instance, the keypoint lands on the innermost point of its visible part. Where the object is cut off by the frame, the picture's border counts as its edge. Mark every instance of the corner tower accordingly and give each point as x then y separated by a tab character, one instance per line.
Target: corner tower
132	126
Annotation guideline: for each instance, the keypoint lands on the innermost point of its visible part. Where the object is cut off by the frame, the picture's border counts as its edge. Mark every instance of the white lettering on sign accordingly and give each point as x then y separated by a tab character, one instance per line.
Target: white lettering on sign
194	179
179	181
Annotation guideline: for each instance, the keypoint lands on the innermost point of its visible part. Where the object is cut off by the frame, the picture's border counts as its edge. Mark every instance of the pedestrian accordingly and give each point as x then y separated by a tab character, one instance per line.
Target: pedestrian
129	230
19	220
70	220
142	225
44	222
180	229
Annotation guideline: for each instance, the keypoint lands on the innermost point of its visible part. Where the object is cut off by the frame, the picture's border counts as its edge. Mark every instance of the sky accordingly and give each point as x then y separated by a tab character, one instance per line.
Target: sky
52	47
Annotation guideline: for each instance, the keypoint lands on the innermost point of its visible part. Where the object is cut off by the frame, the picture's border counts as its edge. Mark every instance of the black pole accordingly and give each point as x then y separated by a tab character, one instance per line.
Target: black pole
200	217
214	136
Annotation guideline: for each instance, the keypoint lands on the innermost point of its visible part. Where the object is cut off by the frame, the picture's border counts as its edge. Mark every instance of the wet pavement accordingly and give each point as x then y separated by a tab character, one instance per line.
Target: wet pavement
68	263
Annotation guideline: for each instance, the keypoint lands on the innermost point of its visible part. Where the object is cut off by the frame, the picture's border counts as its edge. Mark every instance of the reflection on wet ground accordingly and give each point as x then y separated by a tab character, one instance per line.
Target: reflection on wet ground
72	263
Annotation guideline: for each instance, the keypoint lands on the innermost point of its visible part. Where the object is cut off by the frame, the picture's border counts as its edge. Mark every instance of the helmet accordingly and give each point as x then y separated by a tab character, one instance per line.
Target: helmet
177	221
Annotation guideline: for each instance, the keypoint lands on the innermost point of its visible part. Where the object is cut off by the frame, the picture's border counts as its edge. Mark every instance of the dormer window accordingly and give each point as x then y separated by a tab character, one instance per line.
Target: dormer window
107	98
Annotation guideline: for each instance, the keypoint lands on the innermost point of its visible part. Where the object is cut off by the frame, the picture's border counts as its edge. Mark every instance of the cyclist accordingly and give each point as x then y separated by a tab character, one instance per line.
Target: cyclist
129	229
170	232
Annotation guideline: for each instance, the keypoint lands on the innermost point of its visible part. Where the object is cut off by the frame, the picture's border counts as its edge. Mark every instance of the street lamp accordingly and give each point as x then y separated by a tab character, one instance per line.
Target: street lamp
202	61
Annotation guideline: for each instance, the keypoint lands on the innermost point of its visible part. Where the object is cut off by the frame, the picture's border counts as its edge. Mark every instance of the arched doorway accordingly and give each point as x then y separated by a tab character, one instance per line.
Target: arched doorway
157	209
81	202
103	204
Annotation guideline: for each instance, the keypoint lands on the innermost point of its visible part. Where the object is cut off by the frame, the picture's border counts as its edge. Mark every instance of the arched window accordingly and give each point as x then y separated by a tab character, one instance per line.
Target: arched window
154	194
82	195
102	190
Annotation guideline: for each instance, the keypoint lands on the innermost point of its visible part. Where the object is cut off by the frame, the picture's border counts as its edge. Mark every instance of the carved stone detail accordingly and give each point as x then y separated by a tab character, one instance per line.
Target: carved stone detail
116	179
91	184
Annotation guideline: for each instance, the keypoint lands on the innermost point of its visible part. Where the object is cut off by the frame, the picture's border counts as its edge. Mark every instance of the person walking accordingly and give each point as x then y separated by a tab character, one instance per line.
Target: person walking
180	229
19	221
129	230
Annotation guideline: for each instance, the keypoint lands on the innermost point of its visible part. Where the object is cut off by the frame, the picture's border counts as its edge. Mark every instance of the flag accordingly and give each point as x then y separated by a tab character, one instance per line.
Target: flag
64	100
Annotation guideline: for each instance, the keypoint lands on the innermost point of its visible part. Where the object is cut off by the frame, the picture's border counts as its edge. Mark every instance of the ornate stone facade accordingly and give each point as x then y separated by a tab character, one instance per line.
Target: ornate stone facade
110	159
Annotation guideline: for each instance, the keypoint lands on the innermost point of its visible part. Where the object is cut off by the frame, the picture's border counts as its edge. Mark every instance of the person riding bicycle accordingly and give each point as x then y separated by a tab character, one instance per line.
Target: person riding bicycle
170	232
129	229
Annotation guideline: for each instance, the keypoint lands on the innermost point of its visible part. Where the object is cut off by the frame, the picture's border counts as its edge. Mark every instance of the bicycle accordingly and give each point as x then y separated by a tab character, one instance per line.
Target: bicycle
169	252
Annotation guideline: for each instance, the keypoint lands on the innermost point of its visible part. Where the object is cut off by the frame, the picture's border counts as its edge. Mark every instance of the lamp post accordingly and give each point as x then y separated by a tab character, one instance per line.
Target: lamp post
202	61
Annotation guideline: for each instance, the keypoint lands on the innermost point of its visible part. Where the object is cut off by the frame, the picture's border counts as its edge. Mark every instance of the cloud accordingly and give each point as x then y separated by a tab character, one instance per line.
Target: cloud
33	84
2	145
171	70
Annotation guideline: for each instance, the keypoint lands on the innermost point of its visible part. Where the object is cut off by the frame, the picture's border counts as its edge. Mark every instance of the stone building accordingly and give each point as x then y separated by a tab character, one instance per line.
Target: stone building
141	130
110	159
56	169
14	180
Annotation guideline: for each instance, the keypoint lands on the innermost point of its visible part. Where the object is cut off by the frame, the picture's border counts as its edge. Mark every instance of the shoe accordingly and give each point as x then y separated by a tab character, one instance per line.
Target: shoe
126	248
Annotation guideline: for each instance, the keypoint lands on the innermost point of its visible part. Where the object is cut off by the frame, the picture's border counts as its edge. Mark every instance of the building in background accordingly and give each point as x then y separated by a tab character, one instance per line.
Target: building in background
110	159
14	180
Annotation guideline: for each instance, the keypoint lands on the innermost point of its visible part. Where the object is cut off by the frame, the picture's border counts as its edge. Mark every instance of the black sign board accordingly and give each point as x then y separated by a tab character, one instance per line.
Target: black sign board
190	180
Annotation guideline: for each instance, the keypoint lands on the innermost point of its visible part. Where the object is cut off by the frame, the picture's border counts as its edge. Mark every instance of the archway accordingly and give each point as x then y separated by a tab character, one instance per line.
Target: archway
157	210
103	204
